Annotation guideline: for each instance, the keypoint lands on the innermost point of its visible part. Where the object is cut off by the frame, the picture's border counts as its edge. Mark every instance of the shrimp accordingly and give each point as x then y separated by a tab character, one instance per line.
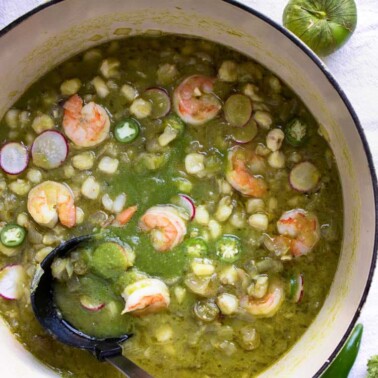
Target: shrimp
167	229
243	172
125	216
50	201
301	229
86	125
280	245
194	101
146	296
268	305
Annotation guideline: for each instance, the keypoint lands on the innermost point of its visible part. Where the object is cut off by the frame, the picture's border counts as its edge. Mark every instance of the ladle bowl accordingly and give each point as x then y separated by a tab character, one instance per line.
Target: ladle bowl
48	314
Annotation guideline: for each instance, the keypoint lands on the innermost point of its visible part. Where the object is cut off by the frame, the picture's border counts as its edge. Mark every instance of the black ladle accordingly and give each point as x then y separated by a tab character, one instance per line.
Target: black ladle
45	310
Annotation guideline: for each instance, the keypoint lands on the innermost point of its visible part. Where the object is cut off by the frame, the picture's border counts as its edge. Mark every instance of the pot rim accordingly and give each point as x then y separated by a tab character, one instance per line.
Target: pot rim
311	54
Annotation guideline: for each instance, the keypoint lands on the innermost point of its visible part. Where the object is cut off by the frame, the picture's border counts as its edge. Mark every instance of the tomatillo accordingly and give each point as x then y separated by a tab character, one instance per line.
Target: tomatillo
324	25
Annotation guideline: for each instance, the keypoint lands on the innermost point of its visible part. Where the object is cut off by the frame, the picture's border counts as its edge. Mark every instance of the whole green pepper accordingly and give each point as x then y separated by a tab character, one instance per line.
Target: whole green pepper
341	365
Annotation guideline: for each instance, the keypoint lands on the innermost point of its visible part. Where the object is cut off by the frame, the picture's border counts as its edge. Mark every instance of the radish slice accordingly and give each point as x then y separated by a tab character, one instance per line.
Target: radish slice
14	158
188	205
49	150
12	281
246	133
91	304
161	103
296	288
237	110
304	177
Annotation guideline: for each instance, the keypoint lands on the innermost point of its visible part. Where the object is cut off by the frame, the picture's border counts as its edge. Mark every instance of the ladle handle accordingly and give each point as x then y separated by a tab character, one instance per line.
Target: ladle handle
128	368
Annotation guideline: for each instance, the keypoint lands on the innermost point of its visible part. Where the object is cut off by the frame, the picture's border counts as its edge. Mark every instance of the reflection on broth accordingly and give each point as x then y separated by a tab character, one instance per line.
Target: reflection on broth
218	201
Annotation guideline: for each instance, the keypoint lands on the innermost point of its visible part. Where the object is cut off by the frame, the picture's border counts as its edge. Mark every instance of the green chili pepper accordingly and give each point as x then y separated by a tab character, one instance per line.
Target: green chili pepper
344	361
196	247
12	235
296	132
127	130
175	123
296	288
228	248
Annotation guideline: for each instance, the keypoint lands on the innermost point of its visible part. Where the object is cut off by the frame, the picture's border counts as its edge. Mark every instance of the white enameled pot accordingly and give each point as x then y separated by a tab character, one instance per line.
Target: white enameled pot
48	35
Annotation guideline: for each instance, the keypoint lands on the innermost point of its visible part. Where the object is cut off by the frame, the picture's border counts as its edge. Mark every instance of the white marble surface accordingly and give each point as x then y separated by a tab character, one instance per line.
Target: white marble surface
355	67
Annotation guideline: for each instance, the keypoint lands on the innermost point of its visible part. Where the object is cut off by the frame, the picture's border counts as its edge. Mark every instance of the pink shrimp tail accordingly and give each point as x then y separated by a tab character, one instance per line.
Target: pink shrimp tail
73	105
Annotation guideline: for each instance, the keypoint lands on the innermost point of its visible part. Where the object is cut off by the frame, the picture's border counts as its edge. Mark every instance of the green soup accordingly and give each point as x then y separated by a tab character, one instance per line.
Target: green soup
217	198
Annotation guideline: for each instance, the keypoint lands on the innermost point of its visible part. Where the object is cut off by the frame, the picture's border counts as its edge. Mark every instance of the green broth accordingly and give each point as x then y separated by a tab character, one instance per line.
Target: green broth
195	348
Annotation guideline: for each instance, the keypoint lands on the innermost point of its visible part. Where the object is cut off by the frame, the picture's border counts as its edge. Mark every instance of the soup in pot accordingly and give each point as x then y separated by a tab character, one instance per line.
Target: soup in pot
213	193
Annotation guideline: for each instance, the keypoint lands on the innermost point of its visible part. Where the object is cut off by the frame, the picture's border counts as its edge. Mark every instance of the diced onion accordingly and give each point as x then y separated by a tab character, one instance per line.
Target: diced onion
141	108
194	163
228	71
70	87
100	86
227	303
90	188
263	119
276	159
108	165
259	221
84	160
202	215
274	139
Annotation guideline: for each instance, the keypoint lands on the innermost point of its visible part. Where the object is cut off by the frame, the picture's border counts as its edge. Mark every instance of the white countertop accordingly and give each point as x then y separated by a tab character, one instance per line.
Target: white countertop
355	67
